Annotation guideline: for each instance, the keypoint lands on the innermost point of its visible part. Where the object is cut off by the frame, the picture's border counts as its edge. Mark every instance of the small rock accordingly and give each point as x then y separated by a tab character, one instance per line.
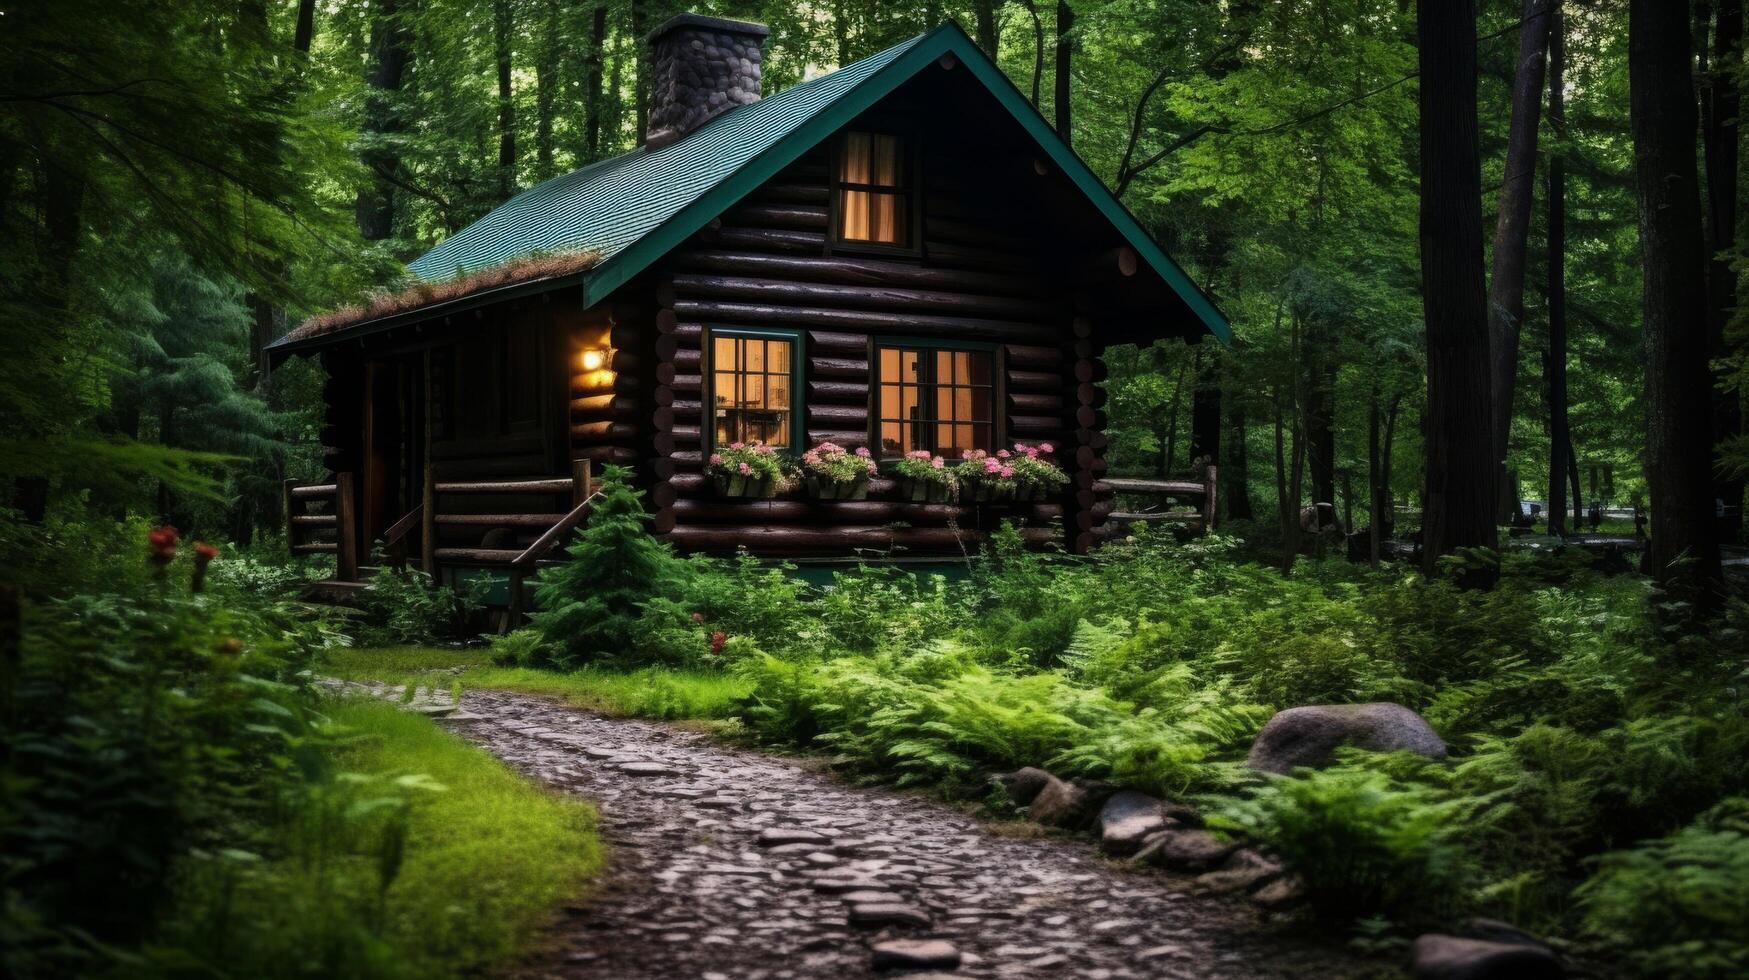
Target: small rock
1309	736
776	836
915	954
876	914
1024	785
647	769
871	896
1244	870
1281	893
1060	804
1441	957
1127	819
1184	850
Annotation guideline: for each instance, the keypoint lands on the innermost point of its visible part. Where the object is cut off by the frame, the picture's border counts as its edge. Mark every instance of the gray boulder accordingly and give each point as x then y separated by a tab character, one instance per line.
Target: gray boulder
1127	819
1053	801
1309	736
1441	957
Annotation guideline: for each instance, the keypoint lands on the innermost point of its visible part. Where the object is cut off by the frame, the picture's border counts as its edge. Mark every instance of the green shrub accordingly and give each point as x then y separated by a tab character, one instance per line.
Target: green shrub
1365	841
590	606
1678	906
404	607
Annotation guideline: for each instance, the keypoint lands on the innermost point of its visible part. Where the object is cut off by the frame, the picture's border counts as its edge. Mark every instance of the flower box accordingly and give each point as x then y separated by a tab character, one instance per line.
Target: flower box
1029	493
920	491
752	487
987	493
821	488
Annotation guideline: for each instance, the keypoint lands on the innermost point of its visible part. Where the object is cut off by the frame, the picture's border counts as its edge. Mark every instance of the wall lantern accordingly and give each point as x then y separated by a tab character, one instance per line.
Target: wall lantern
596	358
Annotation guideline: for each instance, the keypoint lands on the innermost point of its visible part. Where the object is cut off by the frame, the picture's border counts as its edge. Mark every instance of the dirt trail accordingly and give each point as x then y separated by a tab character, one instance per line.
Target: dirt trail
730	864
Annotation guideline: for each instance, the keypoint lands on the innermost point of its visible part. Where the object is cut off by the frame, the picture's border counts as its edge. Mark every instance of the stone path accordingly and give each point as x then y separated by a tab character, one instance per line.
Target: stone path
729	864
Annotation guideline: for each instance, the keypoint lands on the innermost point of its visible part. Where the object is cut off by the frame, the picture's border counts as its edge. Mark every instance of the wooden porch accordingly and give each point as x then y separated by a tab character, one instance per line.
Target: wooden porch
321	518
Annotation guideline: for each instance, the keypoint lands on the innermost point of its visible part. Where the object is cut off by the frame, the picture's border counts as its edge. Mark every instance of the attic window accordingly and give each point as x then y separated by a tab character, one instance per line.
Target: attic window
873	190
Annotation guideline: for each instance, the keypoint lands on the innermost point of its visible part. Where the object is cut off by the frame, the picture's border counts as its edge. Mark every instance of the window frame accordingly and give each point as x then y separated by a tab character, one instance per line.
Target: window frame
998	387
708	382
911	188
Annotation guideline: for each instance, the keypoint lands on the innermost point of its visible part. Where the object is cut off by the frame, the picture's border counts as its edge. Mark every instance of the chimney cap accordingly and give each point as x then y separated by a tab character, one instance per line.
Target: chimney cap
703	22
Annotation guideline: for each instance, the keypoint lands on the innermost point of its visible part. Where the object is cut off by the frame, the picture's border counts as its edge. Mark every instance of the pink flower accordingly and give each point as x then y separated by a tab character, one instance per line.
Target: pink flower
737	445
1007	472
716	459
764	450
938	463
1045	447
862	451
1003	454
698	617
1031	453
871	465
161	541
745	469
991	466
718	639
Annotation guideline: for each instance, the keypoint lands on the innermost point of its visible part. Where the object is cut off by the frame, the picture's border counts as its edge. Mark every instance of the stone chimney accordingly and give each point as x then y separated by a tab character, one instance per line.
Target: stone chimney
700	68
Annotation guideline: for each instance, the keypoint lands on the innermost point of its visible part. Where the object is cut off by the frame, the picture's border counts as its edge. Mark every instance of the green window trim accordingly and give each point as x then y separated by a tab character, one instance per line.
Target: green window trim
998	388
708	382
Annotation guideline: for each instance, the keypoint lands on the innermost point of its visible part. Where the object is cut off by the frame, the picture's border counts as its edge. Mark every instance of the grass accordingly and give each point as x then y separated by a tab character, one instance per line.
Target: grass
671	695
475	861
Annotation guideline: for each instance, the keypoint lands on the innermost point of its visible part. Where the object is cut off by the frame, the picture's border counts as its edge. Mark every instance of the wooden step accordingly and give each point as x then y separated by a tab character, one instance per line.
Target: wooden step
1162	487
1186	516
501	520
543	485
315	547
489	556
314	520
315	490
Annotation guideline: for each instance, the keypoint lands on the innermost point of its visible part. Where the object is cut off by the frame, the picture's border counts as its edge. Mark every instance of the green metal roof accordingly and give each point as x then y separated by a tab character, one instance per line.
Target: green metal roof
635	208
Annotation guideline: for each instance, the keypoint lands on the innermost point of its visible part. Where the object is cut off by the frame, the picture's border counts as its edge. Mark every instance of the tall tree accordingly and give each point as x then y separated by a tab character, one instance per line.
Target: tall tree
592	78
1684	551
1512	229
503	27
546	87
1458	510
1720	103
1065	55
1560	440
984	22
1205	407
377	139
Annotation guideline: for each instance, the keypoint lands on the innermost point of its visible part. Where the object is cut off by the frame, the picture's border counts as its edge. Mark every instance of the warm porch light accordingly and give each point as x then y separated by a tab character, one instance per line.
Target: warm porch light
595	358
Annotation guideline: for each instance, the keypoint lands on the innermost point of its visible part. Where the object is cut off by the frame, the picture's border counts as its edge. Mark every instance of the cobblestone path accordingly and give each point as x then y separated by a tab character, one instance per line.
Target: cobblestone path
729	864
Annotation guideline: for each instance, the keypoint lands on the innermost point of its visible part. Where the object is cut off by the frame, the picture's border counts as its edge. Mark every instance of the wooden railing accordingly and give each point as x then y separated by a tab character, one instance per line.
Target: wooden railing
302	526
1201	492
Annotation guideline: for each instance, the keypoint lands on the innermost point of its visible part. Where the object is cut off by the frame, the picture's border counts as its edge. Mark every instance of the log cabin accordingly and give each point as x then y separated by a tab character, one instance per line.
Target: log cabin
900	255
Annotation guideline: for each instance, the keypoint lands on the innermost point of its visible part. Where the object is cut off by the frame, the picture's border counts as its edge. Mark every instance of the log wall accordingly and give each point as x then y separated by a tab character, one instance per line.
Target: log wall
766	264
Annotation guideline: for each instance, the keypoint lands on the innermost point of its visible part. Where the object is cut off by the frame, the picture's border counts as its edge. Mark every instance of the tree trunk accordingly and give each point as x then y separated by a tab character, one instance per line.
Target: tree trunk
592	95
388	61
1038	50
1684	550
1205	409
1065	52
1374	513
984	14
1169	448
503	24
641	52
1237	473
1512	229
1720	103
546	88
1559	438
1320	410
305	32
1458	509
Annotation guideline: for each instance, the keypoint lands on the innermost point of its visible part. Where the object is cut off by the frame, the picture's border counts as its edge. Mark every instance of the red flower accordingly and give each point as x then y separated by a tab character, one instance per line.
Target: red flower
162	542
205	552
717	640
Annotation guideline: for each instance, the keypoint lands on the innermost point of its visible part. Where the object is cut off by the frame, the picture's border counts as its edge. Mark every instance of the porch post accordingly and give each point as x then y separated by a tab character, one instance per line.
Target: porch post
345	532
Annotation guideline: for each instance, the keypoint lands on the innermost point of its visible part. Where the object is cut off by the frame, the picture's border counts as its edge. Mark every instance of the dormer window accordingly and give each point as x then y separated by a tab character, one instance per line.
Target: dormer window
874	190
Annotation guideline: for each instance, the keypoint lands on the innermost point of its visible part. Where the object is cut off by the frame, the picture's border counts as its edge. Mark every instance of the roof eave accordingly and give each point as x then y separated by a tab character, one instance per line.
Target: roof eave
283	348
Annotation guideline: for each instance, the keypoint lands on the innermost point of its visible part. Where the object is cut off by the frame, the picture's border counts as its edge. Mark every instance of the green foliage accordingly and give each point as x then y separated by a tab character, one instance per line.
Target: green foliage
590	607
412	855
404	606
1678	906
1364	841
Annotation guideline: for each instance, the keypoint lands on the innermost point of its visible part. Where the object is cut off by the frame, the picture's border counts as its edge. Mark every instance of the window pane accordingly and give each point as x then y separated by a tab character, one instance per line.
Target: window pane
886	161
723	353
892	443
853	161
911	364
886	219
853	216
